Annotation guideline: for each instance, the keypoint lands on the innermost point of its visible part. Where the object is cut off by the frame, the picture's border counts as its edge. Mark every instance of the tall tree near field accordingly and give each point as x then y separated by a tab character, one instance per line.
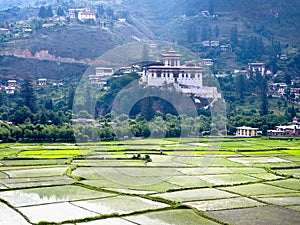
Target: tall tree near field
28	95
88	101
70	97
263	86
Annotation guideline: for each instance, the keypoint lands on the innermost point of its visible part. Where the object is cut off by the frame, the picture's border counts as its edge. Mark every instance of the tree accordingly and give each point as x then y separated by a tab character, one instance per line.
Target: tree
264	99
234	35
191	33
42	12
16	133
204	33
20	115
217	31
100	10
88	101
211	7
70	97
28	95
49	104
109	12
147	110
60	11
240	84
293	112
145	55
49	12
37	24
209	33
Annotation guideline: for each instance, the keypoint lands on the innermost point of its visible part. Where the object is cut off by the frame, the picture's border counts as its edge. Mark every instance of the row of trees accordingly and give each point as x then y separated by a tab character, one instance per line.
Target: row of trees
159	127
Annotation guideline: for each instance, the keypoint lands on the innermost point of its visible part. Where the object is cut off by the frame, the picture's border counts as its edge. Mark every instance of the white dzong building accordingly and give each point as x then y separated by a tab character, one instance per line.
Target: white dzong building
187	79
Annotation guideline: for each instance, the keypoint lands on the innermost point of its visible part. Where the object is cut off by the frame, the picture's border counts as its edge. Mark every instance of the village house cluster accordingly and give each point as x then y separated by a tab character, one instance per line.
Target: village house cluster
286	130
292	129
11	86
224	48
82	14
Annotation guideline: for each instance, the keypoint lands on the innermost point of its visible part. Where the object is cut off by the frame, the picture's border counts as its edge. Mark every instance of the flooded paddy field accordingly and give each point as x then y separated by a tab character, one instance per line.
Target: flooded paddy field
242	181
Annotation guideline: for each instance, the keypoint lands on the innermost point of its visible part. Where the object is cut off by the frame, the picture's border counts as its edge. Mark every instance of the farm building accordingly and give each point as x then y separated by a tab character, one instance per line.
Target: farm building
287	130
247	131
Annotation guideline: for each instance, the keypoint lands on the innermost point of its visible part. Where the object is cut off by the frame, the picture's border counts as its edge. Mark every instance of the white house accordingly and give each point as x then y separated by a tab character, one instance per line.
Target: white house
121	20
225	48
208	62
10	90
82	14
87	14
257	66
101	76
247	131
210	43
42	81
12	83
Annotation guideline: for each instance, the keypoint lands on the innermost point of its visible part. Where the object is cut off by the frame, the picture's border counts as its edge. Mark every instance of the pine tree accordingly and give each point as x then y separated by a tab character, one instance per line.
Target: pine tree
42	12
240	84
293	112
60	11
49	12
70	97
88	101
263	94
204	33
191	33
100	10
211	7
234	35
28	95
217	31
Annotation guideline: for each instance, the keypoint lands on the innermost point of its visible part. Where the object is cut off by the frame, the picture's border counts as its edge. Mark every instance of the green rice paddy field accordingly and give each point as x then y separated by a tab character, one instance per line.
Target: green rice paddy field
188	182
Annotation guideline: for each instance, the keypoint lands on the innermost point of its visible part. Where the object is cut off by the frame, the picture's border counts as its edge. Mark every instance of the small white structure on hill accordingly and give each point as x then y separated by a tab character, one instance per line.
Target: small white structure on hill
12	83
82	14
257	66
42	81
187	79
102	75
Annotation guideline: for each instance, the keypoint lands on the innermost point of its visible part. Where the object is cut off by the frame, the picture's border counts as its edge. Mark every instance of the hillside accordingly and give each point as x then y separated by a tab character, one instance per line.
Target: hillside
280	18
77	41
20	68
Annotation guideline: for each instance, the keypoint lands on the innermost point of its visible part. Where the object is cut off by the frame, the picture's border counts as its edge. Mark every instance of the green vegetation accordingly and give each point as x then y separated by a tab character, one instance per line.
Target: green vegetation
102	182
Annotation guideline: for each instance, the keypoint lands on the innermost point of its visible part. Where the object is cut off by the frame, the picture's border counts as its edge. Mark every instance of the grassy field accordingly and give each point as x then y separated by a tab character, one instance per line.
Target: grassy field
188	179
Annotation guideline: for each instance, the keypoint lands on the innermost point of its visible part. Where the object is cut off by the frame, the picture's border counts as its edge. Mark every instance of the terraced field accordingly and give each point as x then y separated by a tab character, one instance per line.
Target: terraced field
189	181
